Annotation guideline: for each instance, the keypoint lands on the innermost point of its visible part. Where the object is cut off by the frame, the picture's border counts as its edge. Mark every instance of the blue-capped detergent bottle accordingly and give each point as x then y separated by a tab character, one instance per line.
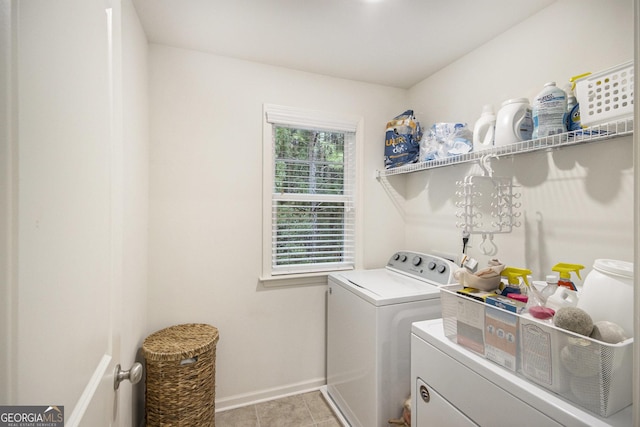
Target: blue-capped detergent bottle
549	111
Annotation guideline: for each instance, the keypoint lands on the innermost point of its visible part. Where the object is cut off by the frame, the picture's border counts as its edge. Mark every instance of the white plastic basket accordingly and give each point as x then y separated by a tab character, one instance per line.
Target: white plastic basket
590	373
606	96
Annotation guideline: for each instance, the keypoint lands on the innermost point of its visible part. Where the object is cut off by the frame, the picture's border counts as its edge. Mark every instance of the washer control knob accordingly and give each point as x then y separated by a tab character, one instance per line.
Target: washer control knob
442	268
431	265
396	257
416	260
403	258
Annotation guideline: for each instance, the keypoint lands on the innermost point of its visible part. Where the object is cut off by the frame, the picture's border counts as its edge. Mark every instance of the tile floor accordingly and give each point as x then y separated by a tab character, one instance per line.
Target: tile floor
302	410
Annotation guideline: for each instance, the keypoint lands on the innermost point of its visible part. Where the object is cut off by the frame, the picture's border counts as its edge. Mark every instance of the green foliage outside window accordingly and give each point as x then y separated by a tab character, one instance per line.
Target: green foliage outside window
308	208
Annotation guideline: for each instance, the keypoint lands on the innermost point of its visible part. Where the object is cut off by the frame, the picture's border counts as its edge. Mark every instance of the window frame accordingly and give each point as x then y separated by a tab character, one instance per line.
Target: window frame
295	117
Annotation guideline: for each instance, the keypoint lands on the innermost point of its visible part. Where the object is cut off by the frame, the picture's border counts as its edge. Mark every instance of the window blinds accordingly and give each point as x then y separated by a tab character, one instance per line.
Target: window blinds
313	200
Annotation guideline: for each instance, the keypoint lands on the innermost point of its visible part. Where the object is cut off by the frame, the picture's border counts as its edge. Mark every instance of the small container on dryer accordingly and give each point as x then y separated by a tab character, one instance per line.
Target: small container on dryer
514	122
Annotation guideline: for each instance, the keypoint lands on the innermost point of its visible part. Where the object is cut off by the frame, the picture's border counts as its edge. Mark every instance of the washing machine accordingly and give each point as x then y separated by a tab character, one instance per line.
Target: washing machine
454	386
369	319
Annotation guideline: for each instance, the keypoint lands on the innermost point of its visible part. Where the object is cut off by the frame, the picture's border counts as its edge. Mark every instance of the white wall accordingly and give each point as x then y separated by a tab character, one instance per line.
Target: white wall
577	202
206	214
135	134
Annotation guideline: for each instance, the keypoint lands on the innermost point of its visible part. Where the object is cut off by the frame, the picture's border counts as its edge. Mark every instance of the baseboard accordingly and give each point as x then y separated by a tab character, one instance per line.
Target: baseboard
252	398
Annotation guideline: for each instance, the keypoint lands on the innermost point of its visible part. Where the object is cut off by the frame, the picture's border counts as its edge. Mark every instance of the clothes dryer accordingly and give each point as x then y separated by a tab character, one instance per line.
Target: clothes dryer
454	386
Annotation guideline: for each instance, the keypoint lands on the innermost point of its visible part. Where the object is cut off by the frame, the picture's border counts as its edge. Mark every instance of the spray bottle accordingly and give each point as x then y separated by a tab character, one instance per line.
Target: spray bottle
515	276
565	270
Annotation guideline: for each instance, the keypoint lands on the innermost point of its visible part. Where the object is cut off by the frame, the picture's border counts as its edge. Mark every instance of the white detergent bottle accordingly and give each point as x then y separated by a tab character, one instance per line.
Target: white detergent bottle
549	111
484	129
514	123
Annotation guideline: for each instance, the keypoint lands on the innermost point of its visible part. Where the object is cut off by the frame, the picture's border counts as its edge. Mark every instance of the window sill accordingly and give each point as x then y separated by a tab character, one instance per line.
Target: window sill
308	279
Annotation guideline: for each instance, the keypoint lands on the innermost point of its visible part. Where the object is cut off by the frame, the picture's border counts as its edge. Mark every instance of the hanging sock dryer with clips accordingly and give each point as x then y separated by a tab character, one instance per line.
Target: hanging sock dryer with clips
486	205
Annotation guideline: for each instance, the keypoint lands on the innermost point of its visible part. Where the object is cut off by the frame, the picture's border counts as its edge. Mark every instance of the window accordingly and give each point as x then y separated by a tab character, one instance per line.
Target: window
309	203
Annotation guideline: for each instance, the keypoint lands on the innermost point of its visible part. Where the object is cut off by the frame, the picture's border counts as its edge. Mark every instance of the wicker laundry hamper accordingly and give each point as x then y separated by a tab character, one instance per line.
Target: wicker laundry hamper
180	376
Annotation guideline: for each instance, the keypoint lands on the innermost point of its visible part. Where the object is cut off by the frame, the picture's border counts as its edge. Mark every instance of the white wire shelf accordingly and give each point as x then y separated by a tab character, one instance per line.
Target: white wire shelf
592	134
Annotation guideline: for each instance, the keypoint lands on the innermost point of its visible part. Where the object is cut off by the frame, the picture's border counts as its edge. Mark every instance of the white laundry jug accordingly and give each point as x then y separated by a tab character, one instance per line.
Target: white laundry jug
607	293
485	129
514	122
562	297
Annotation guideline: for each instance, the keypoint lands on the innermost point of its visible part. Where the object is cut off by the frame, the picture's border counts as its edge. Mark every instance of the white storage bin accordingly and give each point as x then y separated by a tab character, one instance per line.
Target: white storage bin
592	374
606	96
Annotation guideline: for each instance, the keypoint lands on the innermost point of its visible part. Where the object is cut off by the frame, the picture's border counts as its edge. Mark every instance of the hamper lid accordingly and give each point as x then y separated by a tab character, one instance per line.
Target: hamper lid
180	342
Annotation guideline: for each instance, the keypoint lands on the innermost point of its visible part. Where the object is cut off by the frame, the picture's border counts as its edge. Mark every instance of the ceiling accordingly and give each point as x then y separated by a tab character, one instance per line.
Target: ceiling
389	42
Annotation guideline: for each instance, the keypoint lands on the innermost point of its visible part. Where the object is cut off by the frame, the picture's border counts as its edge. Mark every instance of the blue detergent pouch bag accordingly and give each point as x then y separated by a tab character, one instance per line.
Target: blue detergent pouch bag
402	140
